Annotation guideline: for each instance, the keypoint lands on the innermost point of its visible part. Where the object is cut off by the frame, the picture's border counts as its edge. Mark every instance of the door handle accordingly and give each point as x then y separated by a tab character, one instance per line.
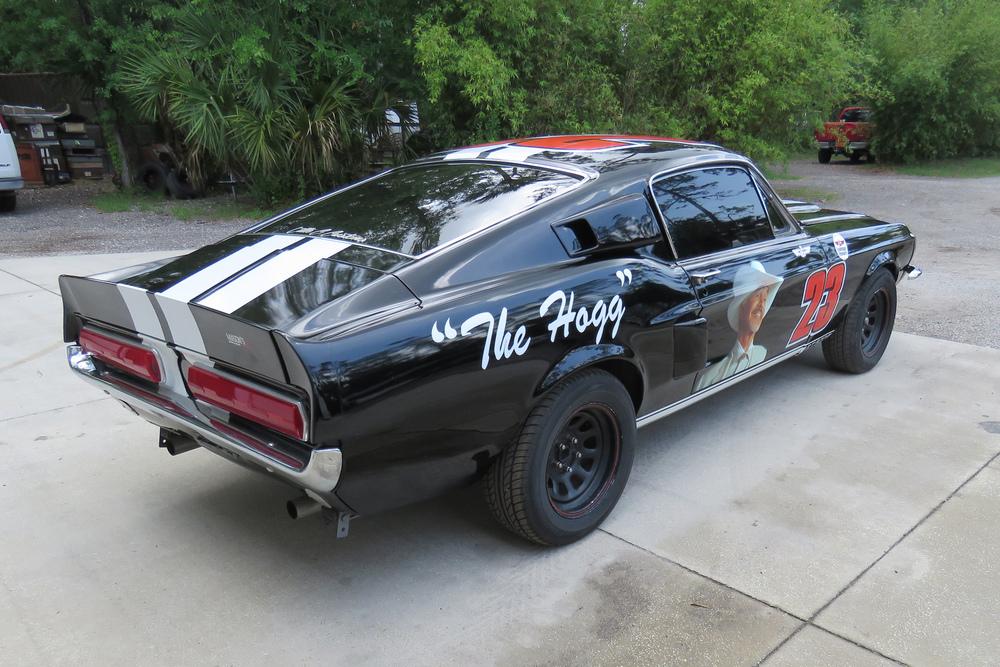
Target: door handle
698	277
696	322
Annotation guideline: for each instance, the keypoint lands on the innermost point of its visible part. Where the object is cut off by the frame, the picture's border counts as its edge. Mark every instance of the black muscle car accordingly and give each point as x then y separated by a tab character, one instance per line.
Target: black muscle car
509	312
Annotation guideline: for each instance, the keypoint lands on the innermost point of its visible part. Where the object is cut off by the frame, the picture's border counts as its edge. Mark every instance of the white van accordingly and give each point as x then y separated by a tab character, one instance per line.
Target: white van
10	170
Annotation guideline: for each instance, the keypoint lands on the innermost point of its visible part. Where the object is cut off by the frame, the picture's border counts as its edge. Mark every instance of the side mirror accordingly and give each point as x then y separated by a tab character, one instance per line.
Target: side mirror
620	223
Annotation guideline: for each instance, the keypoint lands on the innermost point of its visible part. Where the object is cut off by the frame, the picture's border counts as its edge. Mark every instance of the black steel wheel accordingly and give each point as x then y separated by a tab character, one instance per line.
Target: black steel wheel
874	322
567	468
858	342
583	460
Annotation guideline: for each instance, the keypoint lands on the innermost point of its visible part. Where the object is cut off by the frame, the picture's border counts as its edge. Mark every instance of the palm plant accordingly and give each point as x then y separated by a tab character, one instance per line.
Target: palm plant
254	101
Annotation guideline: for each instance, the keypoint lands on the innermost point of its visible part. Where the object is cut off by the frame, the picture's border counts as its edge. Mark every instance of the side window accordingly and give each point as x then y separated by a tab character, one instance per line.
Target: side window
708	210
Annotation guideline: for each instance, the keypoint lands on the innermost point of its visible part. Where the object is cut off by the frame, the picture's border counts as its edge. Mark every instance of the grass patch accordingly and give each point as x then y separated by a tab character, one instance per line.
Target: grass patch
120	201
215	210
973	167
208	209
778	172
808	194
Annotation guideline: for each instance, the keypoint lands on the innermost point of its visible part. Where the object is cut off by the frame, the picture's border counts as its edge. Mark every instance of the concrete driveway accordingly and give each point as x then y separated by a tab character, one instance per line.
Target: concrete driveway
802	517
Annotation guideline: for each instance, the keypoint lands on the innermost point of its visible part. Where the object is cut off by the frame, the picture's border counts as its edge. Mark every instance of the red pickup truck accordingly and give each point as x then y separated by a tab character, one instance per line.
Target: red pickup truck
848	135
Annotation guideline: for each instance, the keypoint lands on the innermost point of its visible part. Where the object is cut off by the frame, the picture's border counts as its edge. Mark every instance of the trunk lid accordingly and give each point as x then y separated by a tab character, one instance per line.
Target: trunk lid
232	301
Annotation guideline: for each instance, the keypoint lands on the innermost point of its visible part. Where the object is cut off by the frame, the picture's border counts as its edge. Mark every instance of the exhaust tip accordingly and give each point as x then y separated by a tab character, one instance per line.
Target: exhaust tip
304	506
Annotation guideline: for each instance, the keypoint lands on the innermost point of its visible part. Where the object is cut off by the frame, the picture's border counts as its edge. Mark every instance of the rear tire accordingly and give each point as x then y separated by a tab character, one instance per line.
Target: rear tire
858	343
854	157
824	155
8	202
568	467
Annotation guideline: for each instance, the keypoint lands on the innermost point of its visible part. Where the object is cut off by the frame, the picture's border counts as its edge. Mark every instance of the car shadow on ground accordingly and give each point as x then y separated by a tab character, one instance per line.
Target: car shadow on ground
241	520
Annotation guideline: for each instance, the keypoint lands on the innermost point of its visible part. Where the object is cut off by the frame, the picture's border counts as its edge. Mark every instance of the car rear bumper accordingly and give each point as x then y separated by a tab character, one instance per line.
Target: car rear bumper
850	146
318	477
11	184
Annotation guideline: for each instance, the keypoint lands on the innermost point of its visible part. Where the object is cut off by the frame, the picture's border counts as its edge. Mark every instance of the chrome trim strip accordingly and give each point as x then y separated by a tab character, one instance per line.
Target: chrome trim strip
708	391
831	218
205	279
321	473
250	285
730	253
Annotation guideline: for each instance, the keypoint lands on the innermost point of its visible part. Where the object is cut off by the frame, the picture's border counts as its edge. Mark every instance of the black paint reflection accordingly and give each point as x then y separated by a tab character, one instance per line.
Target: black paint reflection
710	210
304	292
414	210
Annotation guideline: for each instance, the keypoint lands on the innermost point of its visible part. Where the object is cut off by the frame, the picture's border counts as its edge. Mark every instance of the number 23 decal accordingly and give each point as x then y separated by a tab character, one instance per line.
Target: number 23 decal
819	298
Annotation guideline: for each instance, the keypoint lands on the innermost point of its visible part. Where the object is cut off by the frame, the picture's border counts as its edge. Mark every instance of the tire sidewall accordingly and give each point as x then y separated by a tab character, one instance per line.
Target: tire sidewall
592	389
880	280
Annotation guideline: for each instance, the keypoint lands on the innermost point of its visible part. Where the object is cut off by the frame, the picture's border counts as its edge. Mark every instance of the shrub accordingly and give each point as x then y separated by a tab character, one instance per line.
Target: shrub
939	64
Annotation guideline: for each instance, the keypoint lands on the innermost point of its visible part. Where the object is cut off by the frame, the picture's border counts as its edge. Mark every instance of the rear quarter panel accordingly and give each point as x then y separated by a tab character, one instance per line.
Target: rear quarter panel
422	402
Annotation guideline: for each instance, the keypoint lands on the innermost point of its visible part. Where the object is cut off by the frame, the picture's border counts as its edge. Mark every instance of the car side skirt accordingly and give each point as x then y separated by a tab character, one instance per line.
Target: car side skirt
705	393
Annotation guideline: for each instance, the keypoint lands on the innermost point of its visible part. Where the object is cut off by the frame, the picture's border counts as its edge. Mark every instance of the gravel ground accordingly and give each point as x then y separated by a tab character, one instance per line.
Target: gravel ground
957	225
60	221
956	221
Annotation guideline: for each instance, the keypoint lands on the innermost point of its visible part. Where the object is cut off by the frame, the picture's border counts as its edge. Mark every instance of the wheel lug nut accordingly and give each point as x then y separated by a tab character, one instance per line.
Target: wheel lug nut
562	447
569	470
579	455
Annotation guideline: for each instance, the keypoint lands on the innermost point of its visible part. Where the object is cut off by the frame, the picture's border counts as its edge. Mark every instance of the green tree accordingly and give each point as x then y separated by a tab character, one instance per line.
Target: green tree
939	64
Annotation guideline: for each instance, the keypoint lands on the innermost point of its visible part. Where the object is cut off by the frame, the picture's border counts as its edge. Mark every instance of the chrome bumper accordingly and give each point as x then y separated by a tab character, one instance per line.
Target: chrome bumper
318	477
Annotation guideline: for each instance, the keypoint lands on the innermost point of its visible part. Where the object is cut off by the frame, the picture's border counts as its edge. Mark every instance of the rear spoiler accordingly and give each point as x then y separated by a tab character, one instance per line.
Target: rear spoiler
191	327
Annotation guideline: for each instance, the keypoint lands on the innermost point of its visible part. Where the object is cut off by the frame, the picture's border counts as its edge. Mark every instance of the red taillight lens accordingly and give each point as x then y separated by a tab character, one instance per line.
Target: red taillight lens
282	415
132	359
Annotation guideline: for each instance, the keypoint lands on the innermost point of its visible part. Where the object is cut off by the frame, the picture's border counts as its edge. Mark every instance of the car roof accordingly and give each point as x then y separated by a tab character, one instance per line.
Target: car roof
587	155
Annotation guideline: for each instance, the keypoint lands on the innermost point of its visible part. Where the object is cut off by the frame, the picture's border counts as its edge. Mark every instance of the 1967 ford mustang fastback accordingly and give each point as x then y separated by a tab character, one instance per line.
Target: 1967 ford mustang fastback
509	312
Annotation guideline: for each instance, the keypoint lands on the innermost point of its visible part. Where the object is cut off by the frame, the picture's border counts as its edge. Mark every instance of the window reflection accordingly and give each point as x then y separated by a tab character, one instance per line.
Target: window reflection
413	210
710	210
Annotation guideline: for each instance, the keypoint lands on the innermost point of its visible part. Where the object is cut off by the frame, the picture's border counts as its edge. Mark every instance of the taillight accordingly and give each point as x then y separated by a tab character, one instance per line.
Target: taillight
127	357
258	405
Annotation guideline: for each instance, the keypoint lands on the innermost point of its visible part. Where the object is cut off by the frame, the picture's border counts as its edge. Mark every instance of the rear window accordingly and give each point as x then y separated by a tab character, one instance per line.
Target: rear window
856	116
413	210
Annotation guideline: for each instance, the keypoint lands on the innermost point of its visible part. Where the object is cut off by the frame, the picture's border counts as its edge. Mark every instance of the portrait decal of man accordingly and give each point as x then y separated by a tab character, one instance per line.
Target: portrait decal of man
754	290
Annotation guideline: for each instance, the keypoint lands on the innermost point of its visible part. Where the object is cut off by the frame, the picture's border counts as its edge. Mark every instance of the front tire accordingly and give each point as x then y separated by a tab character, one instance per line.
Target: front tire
567	468
824	155
8	202
858	343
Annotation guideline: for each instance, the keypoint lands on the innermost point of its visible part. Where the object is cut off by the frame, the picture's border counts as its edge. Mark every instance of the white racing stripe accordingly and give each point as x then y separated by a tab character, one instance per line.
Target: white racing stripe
141	309
183	328
201	281
271	273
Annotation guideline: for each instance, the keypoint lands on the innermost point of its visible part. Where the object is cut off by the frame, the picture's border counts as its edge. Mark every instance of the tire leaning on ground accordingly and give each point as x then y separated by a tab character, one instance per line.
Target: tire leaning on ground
154	176
824	155
567	468
859	341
